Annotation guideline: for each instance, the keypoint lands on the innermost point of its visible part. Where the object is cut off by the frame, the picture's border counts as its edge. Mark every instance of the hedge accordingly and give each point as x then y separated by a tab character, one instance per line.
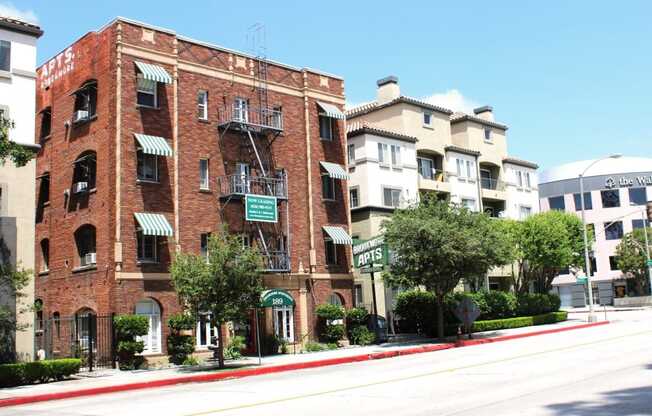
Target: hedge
522	321
38	371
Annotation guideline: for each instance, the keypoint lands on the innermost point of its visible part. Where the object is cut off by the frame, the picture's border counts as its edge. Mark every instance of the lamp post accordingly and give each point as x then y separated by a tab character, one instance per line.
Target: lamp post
587	262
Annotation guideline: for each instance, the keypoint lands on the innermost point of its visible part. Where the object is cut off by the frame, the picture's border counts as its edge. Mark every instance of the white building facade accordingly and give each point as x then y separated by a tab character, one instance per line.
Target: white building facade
17	197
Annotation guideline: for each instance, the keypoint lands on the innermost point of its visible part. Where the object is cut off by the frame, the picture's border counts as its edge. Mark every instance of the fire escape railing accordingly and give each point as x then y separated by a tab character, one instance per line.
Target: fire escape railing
252	116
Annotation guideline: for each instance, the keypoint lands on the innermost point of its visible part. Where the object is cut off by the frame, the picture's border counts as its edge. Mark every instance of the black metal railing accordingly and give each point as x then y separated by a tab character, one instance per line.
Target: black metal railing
276	261
253	116
248	184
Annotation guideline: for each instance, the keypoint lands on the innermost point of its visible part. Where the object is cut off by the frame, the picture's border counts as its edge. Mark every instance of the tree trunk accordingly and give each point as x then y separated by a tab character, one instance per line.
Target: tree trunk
220	345
440	317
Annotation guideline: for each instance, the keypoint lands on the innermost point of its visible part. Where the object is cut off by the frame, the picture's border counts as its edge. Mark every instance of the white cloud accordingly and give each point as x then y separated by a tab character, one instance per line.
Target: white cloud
7	9
452	100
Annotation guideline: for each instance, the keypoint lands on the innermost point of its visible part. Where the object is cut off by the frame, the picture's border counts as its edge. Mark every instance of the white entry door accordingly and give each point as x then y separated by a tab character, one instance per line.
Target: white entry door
284	323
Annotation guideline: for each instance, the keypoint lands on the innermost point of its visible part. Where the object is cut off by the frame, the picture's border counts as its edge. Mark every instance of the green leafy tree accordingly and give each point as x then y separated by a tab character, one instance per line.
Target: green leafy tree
12	281
227	284
632	259
9	150
437	244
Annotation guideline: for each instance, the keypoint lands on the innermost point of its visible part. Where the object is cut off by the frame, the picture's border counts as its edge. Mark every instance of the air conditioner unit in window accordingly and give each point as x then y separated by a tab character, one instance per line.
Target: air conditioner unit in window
79	115
80	187
90	259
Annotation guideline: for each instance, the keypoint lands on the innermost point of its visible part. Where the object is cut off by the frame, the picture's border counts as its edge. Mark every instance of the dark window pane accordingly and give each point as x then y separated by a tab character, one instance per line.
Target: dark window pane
610	199
5	55
613	262
325	128
557	203
639	224
588	202
637	196
613	231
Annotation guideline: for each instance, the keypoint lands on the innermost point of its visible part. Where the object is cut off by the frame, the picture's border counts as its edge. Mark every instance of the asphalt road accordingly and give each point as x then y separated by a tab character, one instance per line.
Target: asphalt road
606	370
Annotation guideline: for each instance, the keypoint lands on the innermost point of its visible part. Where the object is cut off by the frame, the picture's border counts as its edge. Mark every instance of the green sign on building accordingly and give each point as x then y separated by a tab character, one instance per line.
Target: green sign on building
275	298
370	252
261	208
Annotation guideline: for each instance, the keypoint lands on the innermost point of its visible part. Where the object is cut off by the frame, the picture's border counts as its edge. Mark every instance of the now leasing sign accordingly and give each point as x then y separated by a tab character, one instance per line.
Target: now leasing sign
370	252
261	208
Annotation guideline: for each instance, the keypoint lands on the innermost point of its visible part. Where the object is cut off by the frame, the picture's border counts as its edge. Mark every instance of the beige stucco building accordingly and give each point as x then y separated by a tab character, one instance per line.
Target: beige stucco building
460	157
17	200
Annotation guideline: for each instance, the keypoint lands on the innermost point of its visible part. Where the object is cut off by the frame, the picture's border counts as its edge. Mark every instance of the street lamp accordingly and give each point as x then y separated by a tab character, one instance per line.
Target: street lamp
587	262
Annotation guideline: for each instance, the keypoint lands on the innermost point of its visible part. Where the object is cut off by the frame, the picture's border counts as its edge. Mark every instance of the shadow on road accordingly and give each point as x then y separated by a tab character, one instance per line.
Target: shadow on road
627	402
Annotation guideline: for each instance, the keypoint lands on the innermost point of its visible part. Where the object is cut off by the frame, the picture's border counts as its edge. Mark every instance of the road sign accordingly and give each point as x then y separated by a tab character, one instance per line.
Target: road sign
374	269
261	208
369	252
581	279
467	312
649	263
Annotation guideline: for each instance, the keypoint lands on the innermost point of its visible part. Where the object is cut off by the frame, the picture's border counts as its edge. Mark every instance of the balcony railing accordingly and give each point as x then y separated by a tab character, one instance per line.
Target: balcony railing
492	184
263	118
276	261
437	176
238	185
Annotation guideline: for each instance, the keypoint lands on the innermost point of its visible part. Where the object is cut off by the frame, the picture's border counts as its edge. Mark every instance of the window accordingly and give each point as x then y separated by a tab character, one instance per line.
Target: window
45	255
427	119
588	201
202	105
613	231
350	151
241	110
331	251
613	263
147	166
46	123
391	197
486	179
519	178
593	263
383	154
637	196
5	55
525	212
150	309
85	102
459	163
44	189
528	182
557	203
357	296
147	248
284	323
203	174
426	167
205	332
610	198
354	199
4	112
84	173
639	224
204	245
469	204
325	128
327	187
146	92
56	317
470	171
335	299
396	156
85	241
487	134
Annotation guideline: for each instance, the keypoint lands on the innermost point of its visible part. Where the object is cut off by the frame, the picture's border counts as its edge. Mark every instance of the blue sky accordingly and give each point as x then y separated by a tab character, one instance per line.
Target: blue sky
571	79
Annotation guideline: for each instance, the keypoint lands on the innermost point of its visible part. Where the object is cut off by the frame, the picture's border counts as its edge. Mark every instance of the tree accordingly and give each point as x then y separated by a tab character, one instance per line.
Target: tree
437	244
9	150
631	258
12	281
227	284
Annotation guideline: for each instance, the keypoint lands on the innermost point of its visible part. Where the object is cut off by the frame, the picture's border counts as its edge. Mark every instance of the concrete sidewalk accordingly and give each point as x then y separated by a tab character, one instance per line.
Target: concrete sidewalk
114	380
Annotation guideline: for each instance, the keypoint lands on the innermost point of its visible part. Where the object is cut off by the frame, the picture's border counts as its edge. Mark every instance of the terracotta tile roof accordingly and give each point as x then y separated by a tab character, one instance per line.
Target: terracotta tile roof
459	117
356	129
462	150
374	106
20	26
520	162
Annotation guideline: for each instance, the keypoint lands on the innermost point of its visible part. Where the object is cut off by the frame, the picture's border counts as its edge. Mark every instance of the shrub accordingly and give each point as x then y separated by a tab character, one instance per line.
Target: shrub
180	346
356	317
37	371
332	346
333	333
314	347
416	311
537	303
270	344
329	312
496	324
127	328
181	322
500	305
234	349
361	335
190	360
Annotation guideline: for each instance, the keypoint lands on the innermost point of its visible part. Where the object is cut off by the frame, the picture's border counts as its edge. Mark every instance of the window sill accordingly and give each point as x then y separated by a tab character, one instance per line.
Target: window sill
325	139
84	121
399	168
45	138
429	127
81	269
384	165
488	141
147	181
45	204
329	200
205	191
5	74
44	273
204	120
146	262
146	107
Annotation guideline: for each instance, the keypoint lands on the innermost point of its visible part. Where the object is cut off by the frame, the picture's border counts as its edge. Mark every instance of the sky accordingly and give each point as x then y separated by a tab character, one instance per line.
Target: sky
571	79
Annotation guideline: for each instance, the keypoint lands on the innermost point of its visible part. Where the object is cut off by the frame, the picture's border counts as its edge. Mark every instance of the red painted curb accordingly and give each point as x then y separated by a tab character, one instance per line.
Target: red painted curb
248	372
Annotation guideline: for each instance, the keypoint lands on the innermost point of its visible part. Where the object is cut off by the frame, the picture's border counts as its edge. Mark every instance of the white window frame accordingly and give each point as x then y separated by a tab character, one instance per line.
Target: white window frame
396	156
331	197
350	153
203	249
465	204
519	178
211	331
488	135
329	122
420	166
284	327
428	115
8	70
392	189
146	159
241	109
520	211
329	242
140	248
355	190
202	105
470	169
528	181
152	340
383	154
204	174
154	92
459	164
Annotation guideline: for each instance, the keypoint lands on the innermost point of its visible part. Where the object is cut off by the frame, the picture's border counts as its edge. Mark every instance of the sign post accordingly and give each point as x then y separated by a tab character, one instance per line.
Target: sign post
371	256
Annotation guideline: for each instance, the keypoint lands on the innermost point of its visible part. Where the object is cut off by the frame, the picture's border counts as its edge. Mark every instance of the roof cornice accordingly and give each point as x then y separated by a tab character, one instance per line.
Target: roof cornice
371	107
458	118
20	26
357	131
463	150
520	162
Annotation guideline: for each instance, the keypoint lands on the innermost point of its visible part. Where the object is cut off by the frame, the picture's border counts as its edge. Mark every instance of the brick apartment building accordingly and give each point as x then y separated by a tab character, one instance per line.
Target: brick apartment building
150	140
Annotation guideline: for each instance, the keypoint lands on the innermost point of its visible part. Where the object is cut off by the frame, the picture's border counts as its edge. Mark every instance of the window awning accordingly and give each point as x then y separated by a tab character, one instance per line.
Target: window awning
153	145
154	224
334	170
338	235
154	72
329	110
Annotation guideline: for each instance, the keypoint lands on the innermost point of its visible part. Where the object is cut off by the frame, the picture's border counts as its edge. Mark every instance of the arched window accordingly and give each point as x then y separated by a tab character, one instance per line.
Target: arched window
336	299
150	309
83	325
84	172
45	255
85	241
38	307
85	102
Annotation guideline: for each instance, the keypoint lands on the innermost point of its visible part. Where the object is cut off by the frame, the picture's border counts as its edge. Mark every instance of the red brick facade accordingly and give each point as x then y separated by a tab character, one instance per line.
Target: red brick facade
118	281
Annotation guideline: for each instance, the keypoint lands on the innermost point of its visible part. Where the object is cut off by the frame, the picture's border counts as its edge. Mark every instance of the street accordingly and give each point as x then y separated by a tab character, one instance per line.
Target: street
598	371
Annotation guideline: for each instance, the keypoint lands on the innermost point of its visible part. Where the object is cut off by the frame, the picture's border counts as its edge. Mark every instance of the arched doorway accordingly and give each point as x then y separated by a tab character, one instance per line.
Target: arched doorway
150	308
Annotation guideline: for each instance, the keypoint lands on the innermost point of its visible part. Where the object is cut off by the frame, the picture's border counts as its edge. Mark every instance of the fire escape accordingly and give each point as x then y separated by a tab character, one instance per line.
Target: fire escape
253	174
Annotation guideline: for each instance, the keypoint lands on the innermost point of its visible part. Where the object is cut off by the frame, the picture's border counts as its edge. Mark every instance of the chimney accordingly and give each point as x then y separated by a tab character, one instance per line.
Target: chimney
388	89
486	112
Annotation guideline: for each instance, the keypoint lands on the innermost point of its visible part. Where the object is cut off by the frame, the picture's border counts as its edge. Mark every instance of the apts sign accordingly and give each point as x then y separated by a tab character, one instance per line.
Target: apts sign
57	67
627	181
370	252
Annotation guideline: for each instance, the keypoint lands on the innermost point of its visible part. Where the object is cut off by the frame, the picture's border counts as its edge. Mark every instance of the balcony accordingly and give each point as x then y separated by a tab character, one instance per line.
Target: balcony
240	185
493	189
246	118
276	261
437	182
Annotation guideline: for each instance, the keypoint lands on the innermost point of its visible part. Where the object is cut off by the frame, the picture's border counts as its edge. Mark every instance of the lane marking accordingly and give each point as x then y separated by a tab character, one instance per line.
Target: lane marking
399	379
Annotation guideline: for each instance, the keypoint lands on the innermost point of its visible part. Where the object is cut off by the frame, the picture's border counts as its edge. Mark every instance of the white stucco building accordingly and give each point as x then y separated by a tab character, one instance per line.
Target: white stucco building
17	196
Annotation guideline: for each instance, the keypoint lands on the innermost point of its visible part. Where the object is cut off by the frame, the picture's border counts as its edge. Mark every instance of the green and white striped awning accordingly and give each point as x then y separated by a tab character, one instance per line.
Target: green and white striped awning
338	235
153	145
334	170
154	224
154	72
329	110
